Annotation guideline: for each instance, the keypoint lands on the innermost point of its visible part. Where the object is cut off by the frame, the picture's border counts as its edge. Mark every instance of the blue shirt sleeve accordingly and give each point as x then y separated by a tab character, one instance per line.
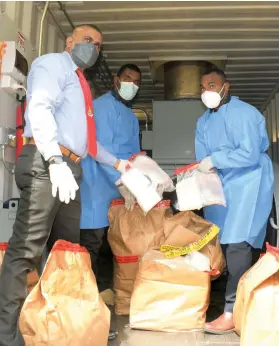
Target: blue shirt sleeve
45	83
200	146
247	139
103	120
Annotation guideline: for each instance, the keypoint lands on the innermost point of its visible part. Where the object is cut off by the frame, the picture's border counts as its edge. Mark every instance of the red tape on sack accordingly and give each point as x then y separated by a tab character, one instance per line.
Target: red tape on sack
126	259
116	202
3	246
213	272
63	245
162	204
272	249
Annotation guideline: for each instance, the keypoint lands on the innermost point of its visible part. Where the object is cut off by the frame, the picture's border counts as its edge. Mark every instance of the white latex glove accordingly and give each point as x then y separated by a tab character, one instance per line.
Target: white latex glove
123	165
206	165
63	181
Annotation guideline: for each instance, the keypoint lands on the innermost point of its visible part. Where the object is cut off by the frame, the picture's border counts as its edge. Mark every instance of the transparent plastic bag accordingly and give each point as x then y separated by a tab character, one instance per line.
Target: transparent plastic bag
196	189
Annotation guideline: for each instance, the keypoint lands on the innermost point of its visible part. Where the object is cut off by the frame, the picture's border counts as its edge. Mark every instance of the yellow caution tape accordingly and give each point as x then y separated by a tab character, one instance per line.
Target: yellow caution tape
174	251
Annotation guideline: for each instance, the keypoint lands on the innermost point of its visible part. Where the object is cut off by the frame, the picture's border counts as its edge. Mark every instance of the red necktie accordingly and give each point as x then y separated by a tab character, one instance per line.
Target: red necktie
91	127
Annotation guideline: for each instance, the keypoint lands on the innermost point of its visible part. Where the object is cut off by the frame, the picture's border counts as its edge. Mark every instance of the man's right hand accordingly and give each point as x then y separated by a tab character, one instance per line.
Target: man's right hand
62	180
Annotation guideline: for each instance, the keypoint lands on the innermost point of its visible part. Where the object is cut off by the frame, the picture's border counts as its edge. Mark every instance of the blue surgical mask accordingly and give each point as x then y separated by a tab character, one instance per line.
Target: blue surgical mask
128	90
85	55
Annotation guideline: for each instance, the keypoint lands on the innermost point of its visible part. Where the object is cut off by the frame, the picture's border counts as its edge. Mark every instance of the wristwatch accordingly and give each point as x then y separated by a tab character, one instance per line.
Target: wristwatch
56	160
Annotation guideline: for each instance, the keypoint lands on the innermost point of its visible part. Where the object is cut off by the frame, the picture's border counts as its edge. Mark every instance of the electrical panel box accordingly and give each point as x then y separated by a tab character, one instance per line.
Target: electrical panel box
174	126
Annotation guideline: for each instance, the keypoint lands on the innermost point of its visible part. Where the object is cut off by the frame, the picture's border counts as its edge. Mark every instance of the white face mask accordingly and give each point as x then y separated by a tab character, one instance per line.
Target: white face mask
128	90
212	99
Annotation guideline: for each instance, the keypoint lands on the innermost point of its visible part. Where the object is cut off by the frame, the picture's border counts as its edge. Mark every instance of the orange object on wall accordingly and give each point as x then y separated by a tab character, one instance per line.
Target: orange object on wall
3	45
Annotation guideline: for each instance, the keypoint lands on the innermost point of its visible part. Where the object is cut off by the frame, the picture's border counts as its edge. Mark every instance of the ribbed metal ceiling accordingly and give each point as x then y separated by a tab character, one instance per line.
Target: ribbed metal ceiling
244	34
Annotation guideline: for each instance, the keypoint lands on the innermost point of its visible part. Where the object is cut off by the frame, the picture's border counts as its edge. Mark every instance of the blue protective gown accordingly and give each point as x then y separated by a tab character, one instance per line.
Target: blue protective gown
118	131
236	139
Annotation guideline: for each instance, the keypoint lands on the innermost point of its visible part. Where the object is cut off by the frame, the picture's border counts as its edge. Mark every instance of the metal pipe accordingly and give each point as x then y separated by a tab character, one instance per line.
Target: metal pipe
56	23
146	116
5	163
42	27
62	8
273	224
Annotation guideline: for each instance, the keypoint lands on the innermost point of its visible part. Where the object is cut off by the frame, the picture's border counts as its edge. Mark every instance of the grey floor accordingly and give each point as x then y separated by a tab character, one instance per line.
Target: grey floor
128	337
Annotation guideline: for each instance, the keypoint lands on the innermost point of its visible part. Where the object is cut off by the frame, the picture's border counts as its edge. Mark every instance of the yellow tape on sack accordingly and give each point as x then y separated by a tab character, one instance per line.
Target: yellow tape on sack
173	251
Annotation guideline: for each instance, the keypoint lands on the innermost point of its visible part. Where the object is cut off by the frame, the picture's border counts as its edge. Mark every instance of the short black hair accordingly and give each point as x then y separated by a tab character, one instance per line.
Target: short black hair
130	67
92	26
211	68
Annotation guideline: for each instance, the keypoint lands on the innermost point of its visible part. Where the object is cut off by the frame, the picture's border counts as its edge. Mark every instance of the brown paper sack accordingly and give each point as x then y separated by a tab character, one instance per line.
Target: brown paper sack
256	310
185	228
65	308
32	277
131	234
169	295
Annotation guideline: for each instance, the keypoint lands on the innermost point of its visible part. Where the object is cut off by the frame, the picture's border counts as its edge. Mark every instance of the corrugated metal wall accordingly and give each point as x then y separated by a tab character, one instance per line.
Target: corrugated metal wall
25	17
271	114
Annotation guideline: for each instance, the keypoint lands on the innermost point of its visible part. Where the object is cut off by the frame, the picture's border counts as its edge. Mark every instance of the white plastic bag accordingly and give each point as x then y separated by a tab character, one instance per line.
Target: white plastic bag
196	189
146	181
198	261
160	179
142	188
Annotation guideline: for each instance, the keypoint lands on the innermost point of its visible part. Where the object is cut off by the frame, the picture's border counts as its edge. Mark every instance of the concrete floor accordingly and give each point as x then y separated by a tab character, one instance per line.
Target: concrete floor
128	337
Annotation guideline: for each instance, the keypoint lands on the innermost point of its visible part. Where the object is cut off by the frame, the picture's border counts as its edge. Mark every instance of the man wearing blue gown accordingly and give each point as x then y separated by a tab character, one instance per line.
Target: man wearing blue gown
118	131
231	137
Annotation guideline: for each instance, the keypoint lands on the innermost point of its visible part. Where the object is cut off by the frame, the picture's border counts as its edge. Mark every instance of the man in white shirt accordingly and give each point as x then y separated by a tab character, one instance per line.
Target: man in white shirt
48	171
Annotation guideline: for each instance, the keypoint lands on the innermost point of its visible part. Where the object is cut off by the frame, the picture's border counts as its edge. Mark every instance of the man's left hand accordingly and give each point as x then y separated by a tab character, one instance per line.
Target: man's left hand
206	165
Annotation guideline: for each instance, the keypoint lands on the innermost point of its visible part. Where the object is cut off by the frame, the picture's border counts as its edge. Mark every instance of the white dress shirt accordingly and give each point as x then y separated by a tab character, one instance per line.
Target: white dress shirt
55	112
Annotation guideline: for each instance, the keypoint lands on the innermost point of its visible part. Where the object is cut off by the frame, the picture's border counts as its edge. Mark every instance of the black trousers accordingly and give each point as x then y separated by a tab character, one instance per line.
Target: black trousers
96	243
239	260
38	215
